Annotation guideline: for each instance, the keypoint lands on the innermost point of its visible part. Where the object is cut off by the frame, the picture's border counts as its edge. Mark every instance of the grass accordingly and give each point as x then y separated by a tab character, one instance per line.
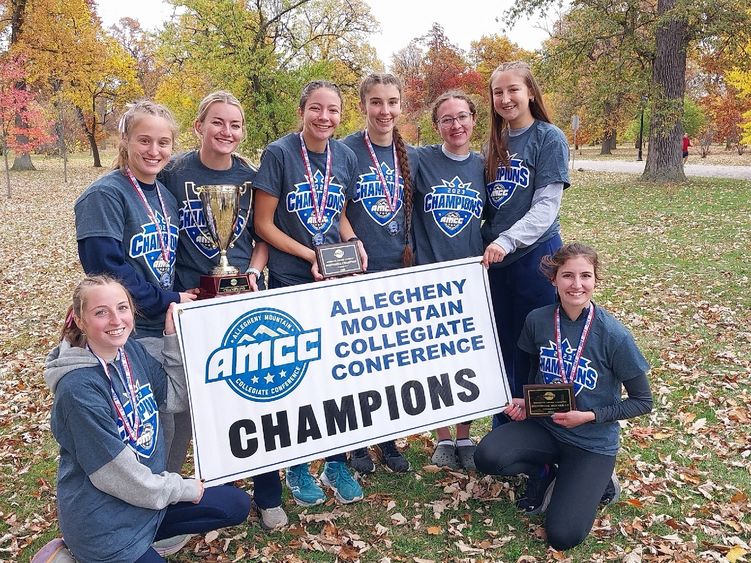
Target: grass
676	272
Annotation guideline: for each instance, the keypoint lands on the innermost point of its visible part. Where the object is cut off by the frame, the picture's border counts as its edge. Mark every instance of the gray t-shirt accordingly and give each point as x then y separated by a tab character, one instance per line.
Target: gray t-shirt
196	254
610	357
282	175
379	226
538	157
449	198
112	208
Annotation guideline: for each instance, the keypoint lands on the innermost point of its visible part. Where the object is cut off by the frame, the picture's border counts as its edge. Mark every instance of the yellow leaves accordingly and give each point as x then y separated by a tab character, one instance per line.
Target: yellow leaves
434	530
735	553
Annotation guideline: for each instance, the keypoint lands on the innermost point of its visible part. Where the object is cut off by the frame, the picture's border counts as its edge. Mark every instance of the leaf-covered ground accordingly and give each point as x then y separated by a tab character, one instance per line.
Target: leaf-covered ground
677	273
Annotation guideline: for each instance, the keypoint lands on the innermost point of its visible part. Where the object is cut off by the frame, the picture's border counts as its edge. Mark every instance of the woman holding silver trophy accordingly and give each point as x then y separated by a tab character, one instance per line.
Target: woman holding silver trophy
213	168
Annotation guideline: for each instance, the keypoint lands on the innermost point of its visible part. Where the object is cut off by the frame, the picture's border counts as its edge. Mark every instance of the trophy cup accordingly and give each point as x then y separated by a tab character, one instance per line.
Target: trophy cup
221	206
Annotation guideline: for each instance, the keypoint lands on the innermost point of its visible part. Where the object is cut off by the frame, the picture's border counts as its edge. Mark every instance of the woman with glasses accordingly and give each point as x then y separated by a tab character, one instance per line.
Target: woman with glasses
448	202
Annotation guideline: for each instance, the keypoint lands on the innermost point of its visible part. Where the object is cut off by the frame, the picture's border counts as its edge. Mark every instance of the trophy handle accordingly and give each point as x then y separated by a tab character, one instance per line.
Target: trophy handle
240	192
197	191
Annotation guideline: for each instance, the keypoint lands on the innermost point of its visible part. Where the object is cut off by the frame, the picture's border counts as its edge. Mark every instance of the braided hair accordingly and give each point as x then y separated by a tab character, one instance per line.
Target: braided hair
388	79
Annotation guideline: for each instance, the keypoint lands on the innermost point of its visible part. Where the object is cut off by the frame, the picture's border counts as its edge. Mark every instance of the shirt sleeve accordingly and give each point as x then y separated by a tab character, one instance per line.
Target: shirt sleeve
543	211
270	173
104	255
638	402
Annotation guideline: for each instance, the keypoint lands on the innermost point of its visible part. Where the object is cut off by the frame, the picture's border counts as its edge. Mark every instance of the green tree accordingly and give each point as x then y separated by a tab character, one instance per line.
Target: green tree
264	51
721	25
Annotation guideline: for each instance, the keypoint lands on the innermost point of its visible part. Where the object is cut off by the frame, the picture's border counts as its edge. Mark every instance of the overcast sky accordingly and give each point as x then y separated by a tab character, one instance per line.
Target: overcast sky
401	20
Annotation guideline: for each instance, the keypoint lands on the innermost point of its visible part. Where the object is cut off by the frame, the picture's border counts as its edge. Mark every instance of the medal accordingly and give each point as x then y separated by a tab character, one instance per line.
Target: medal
319	207
392	198
393	228
160	235
132	431
166	280
570	375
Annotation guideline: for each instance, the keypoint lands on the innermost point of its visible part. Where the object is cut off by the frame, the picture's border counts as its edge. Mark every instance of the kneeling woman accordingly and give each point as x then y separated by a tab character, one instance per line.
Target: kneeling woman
114	496
582	443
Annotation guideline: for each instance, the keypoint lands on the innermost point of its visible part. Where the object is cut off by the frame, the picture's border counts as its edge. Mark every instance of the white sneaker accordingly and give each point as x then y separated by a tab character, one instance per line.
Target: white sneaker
272	518
170	546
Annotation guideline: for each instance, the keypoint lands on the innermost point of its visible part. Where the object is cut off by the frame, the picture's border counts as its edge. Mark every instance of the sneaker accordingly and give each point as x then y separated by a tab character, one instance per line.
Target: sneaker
444	455
360	461
391	458
538	492
303	486
466	456
612	491
271	518
170	546
54	551
336	476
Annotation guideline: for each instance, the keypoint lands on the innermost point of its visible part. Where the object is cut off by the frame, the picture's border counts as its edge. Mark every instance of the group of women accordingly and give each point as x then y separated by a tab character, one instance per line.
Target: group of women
115	374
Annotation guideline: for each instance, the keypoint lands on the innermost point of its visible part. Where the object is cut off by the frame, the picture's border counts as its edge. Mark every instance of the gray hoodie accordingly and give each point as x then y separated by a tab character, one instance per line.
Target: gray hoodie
112	491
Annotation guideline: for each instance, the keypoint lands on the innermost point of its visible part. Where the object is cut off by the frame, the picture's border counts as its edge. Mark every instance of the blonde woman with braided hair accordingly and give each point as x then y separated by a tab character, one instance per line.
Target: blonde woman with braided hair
381	211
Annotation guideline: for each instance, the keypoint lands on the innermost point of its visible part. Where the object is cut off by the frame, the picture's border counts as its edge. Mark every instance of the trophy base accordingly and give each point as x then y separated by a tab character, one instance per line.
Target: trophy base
218	286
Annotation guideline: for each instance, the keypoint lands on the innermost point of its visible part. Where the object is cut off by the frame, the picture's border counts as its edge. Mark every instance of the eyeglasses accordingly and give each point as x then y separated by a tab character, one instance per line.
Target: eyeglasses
462	119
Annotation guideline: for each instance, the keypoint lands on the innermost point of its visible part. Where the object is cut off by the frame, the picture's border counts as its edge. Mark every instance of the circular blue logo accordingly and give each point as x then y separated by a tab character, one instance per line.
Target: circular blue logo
265	354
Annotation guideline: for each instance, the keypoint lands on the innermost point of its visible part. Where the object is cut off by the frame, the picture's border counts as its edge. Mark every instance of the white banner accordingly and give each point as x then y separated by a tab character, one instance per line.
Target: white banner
285	376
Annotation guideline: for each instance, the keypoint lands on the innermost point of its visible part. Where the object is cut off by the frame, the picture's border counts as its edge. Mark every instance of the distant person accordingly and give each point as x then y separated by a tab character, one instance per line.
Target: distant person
526	171
114	495
580	445
686	144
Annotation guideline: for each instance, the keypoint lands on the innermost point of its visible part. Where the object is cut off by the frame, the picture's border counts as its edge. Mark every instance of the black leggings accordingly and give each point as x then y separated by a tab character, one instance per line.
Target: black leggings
522	447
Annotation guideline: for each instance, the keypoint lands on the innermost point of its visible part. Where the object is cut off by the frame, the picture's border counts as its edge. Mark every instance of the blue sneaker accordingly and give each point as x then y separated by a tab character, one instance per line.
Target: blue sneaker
346	488
303	486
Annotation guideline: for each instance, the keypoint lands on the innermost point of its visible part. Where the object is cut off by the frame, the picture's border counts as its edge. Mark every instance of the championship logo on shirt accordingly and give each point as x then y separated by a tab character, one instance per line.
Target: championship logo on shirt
149	422
264	355
453	204
507	180
586	376
301	202
146	245
193	222
374	201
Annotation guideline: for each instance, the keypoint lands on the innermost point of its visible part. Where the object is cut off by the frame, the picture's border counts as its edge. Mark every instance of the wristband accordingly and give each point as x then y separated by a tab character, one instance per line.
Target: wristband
353	239
255	271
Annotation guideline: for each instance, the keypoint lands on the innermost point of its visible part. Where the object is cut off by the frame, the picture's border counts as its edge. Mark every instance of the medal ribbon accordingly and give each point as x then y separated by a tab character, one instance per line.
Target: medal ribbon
133	431
391	199
571	376
150	212
319	209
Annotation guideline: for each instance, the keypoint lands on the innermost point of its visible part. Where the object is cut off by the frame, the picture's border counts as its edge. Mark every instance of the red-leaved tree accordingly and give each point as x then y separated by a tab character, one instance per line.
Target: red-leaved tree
19	113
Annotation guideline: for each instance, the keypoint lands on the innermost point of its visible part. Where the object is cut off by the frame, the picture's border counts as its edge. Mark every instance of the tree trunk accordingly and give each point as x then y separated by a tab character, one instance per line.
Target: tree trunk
607	142
614	140
664	158
91	136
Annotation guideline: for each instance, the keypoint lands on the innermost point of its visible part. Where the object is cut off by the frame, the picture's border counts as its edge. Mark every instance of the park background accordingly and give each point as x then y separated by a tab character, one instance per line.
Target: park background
675	249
